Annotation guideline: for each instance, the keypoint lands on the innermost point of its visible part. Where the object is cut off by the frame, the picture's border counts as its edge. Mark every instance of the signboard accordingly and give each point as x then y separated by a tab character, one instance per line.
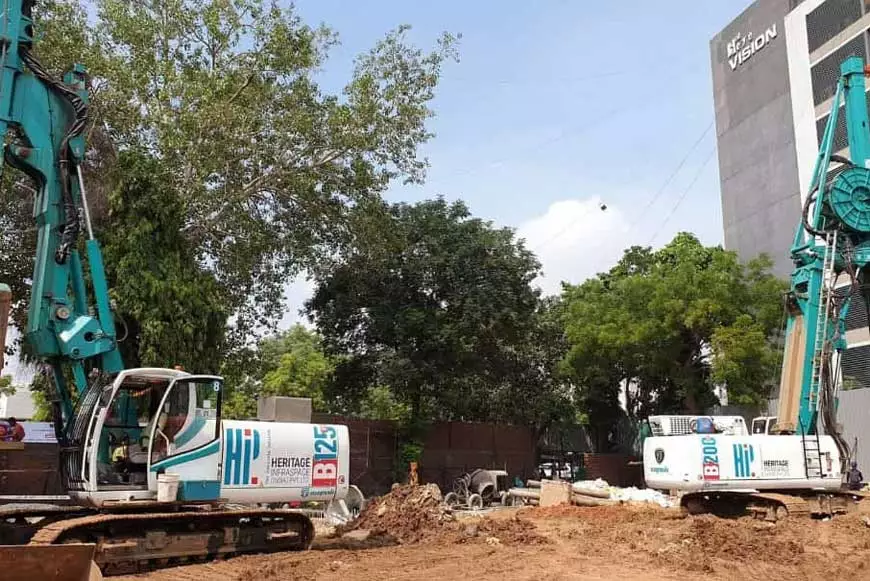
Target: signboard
710	462
284	455
36	432
774	469
744	46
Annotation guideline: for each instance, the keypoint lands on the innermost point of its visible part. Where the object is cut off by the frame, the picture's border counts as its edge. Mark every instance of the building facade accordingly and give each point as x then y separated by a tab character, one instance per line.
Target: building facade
758	166
775	69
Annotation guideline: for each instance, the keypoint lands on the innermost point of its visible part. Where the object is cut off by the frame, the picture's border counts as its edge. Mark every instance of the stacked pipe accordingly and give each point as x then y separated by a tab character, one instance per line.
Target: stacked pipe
585	496
580	495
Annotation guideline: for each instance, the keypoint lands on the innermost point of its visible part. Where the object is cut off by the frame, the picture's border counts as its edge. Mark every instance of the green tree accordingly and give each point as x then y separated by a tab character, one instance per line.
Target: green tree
302	370
265	162
380	403
291	363
6	387
667	325
170	307
433	303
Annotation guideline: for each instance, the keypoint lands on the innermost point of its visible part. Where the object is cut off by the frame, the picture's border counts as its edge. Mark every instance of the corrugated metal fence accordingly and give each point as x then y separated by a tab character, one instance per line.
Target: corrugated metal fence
450	450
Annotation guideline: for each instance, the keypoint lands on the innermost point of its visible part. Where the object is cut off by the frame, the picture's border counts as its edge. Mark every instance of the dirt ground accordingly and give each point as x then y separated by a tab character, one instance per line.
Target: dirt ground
585	544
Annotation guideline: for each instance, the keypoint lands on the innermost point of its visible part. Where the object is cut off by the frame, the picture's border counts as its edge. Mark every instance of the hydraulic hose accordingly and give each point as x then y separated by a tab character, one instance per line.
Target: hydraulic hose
805	215
71	227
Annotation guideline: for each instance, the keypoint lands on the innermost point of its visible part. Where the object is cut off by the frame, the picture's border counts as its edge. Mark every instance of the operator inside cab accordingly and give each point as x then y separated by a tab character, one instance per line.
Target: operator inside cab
704	425
125	441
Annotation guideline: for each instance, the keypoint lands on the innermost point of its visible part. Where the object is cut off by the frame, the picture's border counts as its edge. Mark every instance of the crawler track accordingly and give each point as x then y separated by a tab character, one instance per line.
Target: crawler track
770	506
17	524
129	543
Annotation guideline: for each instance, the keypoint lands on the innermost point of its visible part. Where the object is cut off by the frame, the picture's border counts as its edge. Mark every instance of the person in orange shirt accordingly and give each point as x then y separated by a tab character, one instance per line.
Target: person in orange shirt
15	432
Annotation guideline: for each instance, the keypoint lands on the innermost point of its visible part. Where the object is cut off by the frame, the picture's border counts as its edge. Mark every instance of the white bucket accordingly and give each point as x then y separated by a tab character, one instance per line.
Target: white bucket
167	487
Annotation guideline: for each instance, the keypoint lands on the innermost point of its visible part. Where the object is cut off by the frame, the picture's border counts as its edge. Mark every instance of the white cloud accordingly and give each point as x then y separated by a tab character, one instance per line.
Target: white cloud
575	240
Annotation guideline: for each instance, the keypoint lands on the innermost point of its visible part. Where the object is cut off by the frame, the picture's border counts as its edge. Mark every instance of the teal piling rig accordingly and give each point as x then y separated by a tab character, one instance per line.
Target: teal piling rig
832	239
43	120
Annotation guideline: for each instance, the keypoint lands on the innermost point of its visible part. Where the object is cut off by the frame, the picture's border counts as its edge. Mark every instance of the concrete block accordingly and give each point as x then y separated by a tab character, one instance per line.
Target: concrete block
554	492
284	409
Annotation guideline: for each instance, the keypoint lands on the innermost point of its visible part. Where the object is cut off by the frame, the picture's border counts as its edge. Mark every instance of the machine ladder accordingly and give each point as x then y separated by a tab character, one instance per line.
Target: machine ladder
826	294
812	455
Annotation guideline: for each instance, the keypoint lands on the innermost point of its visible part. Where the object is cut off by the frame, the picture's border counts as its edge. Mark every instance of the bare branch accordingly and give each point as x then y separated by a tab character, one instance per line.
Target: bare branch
244	86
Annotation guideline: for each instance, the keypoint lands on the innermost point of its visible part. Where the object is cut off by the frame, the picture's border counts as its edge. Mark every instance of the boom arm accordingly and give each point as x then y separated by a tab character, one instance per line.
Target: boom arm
43	120
833	239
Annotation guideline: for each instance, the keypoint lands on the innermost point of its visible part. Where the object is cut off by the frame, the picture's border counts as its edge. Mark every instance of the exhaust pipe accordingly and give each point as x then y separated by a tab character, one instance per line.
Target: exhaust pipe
5	305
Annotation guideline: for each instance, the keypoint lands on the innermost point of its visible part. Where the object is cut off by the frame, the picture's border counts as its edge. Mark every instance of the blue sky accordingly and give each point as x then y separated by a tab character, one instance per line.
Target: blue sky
555	106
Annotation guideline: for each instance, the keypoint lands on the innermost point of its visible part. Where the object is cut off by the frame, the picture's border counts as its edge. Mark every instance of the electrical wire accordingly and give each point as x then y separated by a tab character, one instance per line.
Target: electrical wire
578	129
682	197
652	200
672	175
564	134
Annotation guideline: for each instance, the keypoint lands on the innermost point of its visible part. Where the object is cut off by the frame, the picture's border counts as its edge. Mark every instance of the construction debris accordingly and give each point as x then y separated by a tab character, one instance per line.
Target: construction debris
525	493
605	544
407	513
581	489
581	500
630	494
592	493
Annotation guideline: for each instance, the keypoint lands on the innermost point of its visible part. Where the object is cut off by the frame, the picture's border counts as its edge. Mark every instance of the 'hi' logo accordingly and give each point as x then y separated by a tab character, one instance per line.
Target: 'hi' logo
242	447
744	455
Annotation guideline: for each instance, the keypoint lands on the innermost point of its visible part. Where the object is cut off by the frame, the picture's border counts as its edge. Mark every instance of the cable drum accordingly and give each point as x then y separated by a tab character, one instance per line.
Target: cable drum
849	199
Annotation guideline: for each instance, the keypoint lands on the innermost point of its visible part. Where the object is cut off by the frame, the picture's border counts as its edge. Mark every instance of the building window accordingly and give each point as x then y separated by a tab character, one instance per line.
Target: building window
840	140
856	318
826	73
855	365
830	19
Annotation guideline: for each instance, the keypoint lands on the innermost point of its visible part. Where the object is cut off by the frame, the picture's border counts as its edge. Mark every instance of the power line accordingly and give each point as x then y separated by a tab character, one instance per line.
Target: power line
681	66
564	134
683	195
571	131
655	197
671	177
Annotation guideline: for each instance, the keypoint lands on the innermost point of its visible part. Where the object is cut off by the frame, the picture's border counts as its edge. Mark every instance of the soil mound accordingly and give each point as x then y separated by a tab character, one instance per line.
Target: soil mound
512	531
408	513
701	539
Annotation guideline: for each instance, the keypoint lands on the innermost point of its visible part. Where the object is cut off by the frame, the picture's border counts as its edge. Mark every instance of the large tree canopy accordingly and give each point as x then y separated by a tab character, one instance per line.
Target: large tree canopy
671	324
290	363
223	95
293	363
170	309
438	306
